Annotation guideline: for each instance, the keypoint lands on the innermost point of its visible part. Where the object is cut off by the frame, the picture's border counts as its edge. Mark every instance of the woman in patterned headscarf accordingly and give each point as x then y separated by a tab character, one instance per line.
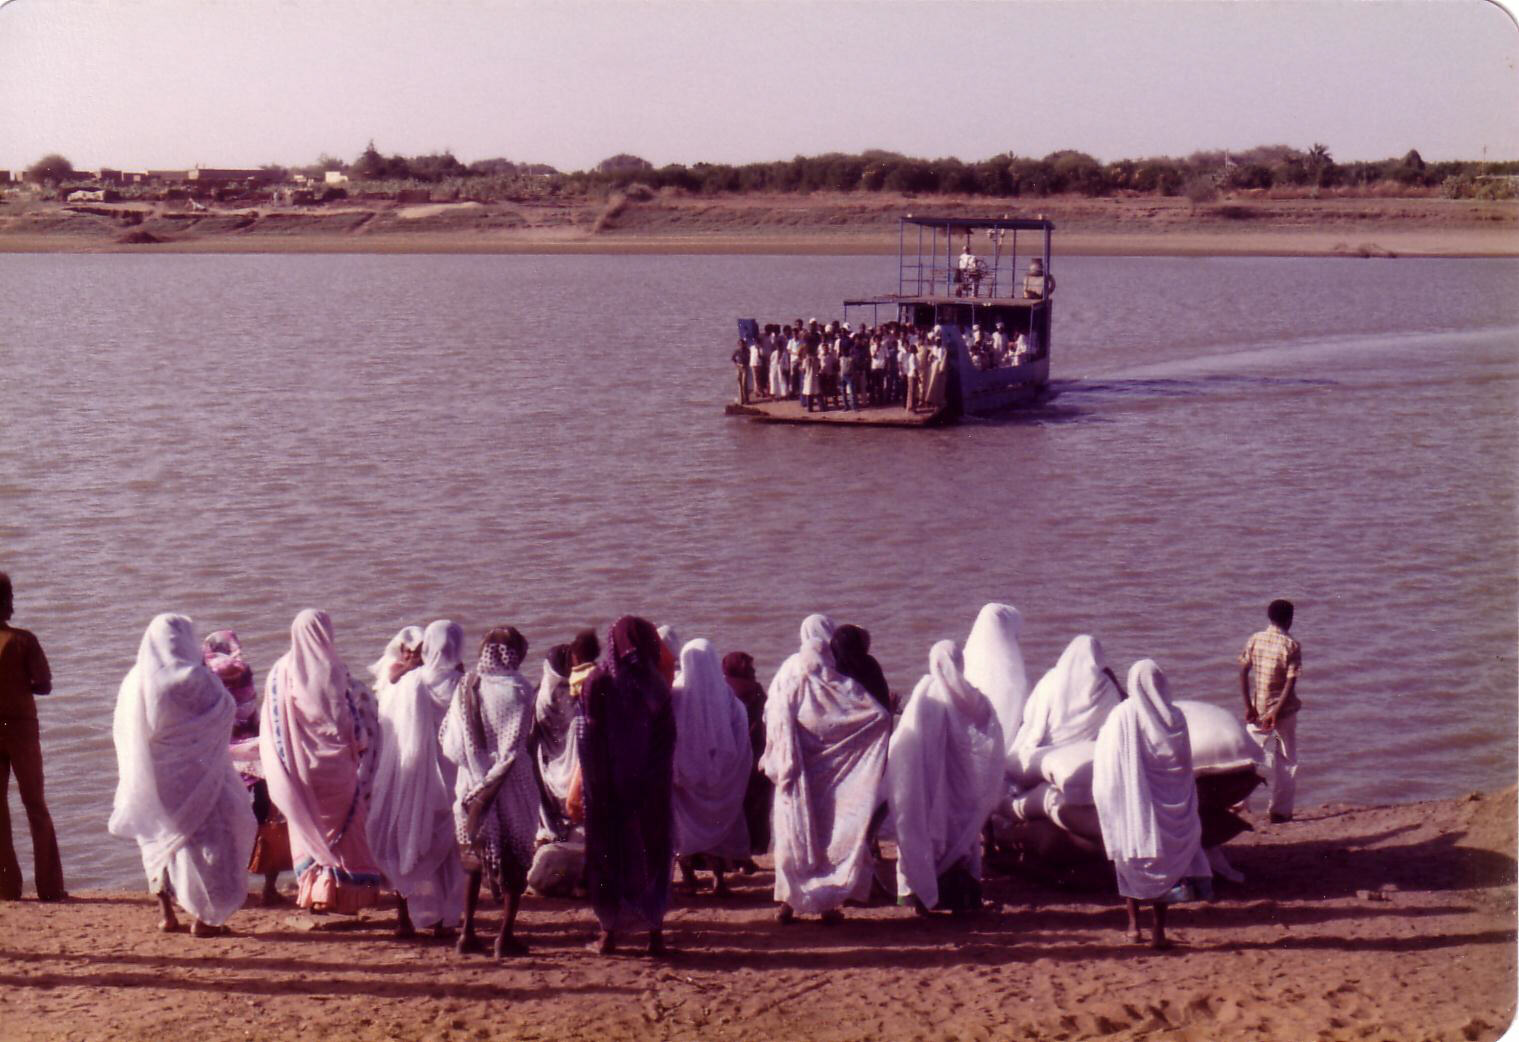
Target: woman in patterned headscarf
626	760
223	653
486	735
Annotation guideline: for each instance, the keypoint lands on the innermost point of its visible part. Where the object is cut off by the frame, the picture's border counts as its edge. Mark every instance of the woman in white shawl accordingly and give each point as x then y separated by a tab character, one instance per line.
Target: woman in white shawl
1147	798
555	749
487	736
994	664
411	822
944	777
825	750
317	731
178	794
1069	704
713	759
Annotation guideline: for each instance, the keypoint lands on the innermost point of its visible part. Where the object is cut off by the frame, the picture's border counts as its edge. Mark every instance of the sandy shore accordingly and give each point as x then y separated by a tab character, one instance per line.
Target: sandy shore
774	224
1390	922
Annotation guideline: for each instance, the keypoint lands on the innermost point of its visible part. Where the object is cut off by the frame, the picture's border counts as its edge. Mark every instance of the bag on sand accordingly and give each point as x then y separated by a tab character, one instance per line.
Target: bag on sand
557	869
1220	743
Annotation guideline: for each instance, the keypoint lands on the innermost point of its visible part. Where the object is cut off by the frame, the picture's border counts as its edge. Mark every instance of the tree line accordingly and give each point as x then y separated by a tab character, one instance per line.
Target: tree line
1200	175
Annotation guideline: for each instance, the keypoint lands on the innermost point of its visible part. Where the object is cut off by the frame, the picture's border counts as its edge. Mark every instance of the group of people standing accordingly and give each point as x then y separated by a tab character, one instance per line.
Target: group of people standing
644	754
839	366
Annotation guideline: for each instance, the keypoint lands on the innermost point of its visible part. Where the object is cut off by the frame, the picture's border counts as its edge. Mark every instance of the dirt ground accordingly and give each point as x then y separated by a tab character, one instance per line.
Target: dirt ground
1376	923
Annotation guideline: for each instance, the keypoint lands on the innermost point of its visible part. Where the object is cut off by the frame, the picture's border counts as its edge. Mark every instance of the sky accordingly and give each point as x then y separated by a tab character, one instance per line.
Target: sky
172	83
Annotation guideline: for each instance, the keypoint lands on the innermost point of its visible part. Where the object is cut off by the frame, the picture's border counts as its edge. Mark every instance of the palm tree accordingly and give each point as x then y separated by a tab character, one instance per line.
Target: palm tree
1319	162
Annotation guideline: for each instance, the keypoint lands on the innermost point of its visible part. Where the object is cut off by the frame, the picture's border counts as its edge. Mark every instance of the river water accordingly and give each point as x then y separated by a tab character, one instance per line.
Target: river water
540	441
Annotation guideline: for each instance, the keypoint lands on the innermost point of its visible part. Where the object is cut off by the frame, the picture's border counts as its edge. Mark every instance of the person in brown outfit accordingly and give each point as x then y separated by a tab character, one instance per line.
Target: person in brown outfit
24	674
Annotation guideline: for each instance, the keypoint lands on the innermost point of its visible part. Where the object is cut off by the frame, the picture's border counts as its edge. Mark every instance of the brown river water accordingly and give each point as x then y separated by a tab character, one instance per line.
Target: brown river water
540	441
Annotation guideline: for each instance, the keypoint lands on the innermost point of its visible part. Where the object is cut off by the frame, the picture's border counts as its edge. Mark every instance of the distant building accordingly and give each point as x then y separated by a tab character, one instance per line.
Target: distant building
6	177
220	175
335	177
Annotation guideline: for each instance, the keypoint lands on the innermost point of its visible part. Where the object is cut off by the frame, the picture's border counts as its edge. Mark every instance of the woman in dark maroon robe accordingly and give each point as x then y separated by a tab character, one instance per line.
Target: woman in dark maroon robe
738	668
626	762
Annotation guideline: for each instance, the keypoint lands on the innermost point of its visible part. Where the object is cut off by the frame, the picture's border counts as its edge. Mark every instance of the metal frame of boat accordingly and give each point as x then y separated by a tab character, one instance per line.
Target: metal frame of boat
934	290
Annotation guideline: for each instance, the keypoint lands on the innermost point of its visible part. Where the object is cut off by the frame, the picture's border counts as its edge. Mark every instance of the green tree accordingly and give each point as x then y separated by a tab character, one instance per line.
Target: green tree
50	169
1320	165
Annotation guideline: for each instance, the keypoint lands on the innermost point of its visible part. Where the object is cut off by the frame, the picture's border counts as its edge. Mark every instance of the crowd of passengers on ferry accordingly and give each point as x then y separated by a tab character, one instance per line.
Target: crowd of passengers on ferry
836	365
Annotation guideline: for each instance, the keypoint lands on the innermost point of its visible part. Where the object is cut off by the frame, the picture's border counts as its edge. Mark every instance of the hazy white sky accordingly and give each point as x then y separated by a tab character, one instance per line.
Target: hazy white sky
166	83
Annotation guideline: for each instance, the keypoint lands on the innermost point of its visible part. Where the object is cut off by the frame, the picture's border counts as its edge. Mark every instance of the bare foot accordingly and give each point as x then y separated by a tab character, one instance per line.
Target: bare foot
273	899
918	907
1136	935
785	915
604	944
657	947
722	889
468	943
167	921
200	929
508	946
405	931
168	924
442	933
1160	944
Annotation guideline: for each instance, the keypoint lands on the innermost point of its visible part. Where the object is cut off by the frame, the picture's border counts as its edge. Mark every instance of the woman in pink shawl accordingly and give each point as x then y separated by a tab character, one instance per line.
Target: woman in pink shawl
318	728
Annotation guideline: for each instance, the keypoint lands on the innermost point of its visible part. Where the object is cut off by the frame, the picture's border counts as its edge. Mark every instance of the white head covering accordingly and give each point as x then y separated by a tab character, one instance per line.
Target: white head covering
442	646
1144	789
943	775
713	757
408	637
994	664
1069	704
178	794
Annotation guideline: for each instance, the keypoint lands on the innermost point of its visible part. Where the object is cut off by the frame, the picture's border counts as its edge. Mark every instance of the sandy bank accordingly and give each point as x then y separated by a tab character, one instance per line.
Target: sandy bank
776	224
1374	922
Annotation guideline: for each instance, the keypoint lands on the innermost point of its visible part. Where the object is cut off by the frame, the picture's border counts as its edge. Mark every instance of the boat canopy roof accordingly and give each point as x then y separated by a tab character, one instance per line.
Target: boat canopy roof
1010	223
945	300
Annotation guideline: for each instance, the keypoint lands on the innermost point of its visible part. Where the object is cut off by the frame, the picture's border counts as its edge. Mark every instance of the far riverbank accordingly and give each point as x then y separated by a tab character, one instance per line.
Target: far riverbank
837	224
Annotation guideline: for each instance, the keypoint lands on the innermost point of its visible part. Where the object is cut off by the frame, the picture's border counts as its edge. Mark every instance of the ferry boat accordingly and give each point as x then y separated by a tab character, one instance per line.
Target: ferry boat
957	294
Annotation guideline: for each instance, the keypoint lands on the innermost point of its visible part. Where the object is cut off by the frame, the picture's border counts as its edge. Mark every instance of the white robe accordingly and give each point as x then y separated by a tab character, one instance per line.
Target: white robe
944	776
411	821
178	794
713	758
825	751
556	751
994	664
1069	704
1144	789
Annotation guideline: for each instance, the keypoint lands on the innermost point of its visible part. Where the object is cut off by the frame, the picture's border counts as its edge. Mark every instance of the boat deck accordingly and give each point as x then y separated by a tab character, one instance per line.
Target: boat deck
791	411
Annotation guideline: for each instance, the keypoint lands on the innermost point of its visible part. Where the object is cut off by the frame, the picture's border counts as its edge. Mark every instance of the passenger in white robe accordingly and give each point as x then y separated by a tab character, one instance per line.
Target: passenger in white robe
178	794
1069	704
944	777
713	760
825	750
994	664
487	736
1146	797
411	820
